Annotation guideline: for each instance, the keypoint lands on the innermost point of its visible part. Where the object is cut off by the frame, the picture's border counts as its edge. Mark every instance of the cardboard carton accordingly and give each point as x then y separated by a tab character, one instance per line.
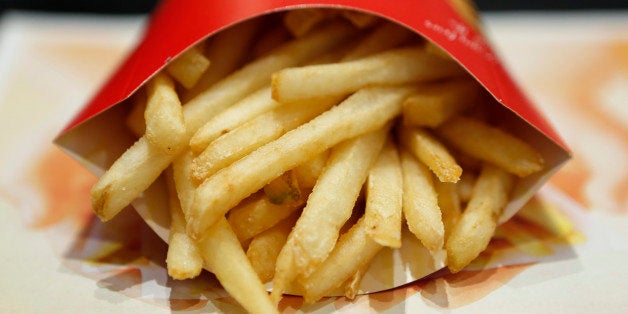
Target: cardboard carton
98	134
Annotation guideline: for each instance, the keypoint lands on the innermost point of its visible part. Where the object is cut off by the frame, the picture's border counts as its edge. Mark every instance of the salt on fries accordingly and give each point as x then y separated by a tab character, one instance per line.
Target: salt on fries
270	164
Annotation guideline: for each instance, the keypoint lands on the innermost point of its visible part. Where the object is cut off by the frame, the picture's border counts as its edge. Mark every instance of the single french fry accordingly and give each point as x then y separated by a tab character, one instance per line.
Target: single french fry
317	229
243	111
132	173
420	203
353	250
182	176
284	189
352	285
308	172
285	271
384	189
225	257
265	247
135	119
256	74
164	118
227	50
437	102
364	111
183	259
258	214
360	19
480	140
299	22
246	138
449	203
383	37
397	66
431	152
477	224
188	67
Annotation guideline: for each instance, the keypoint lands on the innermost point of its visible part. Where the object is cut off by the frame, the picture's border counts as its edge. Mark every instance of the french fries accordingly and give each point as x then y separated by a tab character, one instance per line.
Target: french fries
188	68
257	214
449	203
299	22
265	247
488	143
256	74
184	259
312	154
367	110
437	102
359	19
398	66
223	254
135	119
430	152
228	46
132	173
384	191
420	203
307	173
317	229
284	189
267	127
383	37
163	116
354	250
227	120
476	226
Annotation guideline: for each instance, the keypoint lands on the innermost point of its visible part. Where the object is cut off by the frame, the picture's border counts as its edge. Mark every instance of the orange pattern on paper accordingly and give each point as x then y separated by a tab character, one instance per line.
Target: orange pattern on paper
595	130
572	179
64	185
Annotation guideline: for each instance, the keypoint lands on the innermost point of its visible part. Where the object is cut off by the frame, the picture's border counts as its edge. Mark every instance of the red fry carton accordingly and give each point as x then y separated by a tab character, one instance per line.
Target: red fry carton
98	134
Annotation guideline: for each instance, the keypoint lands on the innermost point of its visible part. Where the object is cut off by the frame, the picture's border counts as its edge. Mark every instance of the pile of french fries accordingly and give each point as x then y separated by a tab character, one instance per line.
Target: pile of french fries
295	146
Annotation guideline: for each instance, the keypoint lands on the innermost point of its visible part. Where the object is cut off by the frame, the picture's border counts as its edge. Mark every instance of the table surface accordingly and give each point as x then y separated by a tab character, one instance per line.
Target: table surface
57	258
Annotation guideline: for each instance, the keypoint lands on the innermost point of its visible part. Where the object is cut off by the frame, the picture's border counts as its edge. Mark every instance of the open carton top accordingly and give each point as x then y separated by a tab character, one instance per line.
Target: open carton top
98	134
